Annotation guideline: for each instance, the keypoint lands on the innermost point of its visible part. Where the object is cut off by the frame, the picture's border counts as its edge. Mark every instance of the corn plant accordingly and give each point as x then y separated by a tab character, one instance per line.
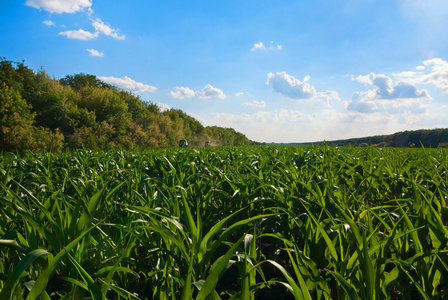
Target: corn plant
225	223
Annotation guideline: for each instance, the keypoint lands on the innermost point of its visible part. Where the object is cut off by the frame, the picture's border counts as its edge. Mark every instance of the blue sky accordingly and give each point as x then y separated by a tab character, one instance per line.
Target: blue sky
277	71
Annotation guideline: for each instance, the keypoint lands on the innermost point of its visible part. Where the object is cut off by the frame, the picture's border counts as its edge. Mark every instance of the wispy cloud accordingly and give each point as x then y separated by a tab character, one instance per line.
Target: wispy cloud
260	47
290	87
207	92
94	52
277	116
127	83
79	34
49	23
60	6
328	95
256	104
100	28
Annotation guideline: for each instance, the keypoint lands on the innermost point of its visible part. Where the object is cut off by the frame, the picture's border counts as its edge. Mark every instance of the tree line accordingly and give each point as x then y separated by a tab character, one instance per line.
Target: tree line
40	113
428	138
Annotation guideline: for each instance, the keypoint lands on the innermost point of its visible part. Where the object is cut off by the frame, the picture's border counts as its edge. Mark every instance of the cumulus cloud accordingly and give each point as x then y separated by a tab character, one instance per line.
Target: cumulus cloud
49	23
210	92
127	83
94	52
389	97
434	71
385	90
182	92
60	6
239	94
101	27
79	34
256	104
362	103
271	46
290	87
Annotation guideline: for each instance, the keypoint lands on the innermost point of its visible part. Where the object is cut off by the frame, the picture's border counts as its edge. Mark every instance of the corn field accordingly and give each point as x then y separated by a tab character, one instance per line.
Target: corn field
255	222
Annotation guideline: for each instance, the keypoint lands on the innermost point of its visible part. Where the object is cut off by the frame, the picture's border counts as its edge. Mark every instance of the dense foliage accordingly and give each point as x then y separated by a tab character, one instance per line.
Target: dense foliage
40	113
266	222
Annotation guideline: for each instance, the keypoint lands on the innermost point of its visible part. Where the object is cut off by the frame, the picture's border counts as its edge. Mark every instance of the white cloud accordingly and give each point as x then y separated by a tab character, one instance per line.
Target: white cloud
278	116
127	83
79	34
285	125
258	46
105	29
367	103
94	52
239	94
261	46
290	87
256	104
49	23
359	104
162	106
403	97
328	95
100	28
436	74
207	92
182	92
60	6
384	90
210	92
434	71
406	74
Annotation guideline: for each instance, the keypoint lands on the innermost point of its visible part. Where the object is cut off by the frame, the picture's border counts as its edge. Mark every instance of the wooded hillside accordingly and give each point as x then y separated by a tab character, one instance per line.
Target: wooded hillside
41	113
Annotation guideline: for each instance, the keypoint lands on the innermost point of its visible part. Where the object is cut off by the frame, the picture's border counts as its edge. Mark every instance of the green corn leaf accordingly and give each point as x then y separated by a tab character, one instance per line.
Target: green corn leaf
215	272
293	287
348	288
42	281
95	291
14	277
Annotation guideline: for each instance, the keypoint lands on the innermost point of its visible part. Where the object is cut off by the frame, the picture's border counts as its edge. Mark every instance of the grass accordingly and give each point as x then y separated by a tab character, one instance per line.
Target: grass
225	223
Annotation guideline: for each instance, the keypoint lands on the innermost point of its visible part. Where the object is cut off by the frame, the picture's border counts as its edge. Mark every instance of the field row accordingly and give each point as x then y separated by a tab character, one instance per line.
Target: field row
278	222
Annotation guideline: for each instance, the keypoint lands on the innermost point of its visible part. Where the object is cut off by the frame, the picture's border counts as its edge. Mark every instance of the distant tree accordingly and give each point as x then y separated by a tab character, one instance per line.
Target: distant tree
16	119
20	78
80	80
38	112
16	125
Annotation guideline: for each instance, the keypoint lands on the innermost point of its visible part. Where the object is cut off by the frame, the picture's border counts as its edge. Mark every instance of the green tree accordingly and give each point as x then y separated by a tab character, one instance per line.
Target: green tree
80	80
16	125
16	120
20	78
